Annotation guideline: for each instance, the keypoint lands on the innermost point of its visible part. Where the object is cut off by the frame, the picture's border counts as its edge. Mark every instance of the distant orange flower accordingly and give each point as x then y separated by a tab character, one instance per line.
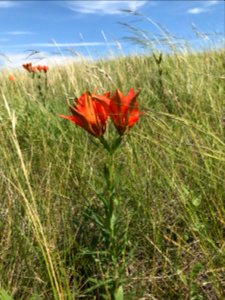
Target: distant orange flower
11	77
124	110
34	69
42	68
28	67
90	112
45	68
39	68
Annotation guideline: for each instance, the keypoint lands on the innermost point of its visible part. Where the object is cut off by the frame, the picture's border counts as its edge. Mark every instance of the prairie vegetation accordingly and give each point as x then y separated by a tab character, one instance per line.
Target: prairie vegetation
171	186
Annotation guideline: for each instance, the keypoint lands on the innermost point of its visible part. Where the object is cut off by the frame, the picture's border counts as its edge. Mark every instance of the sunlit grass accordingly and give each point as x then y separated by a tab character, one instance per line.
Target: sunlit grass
172	185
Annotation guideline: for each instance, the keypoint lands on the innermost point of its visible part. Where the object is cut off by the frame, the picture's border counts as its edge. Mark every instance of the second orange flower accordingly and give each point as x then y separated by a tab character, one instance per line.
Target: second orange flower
90	112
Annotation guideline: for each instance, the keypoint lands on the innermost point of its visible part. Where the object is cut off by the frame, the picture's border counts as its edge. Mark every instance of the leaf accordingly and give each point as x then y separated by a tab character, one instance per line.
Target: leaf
118	295
35	297
182	276
112	222
196	201
196	269
107	174
4	295
116	144
90	214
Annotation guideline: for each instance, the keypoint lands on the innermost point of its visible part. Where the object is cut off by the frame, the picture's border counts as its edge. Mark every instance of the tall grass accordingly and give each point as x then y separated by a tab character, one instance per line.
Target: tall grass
172	185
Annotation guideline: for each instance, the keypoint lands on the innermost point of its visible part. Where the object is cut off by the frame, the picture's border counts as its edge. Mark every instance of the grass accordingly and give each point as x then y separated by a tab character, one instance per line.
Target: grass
172	184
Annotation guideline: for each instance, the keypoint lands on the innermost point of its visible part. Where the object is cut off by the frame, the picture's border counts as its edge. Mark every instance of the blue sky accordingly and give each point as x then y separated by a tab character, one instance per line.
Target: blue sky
58	29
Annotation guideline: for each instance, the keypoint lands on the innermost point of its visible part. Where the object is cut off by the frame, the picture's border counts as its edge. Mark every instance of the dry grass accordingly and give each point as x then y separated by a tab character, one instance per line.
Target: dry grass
172	186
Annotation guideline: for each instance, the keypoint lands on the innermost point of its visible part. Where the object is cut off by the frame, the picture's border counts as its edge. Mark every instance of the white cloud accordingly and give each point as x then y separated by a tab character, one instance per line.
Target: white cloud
53	60
7	4
82	44
55	45
204	8
15	61
104	6
196	10
16	32
11	60
211	3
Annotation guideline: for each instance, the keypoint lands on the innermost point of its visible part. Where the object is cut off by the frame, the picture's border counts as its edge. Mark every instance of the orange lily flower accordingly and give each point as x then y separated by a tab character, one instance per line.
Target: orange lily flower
28	67
11	77
91	113
45	68
34	69
124	110
42	68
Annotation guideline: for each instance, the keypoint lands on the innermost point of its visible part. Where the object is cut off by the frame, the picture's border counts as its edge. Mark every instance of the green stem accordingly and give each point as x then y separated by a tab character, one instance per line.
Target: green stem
111	223
110	204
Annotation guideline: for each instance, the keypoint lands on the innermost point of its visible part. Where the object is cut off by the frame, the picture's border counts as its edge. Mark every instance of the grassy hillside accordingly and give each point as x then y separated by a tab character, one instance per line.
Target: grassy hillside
171	189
